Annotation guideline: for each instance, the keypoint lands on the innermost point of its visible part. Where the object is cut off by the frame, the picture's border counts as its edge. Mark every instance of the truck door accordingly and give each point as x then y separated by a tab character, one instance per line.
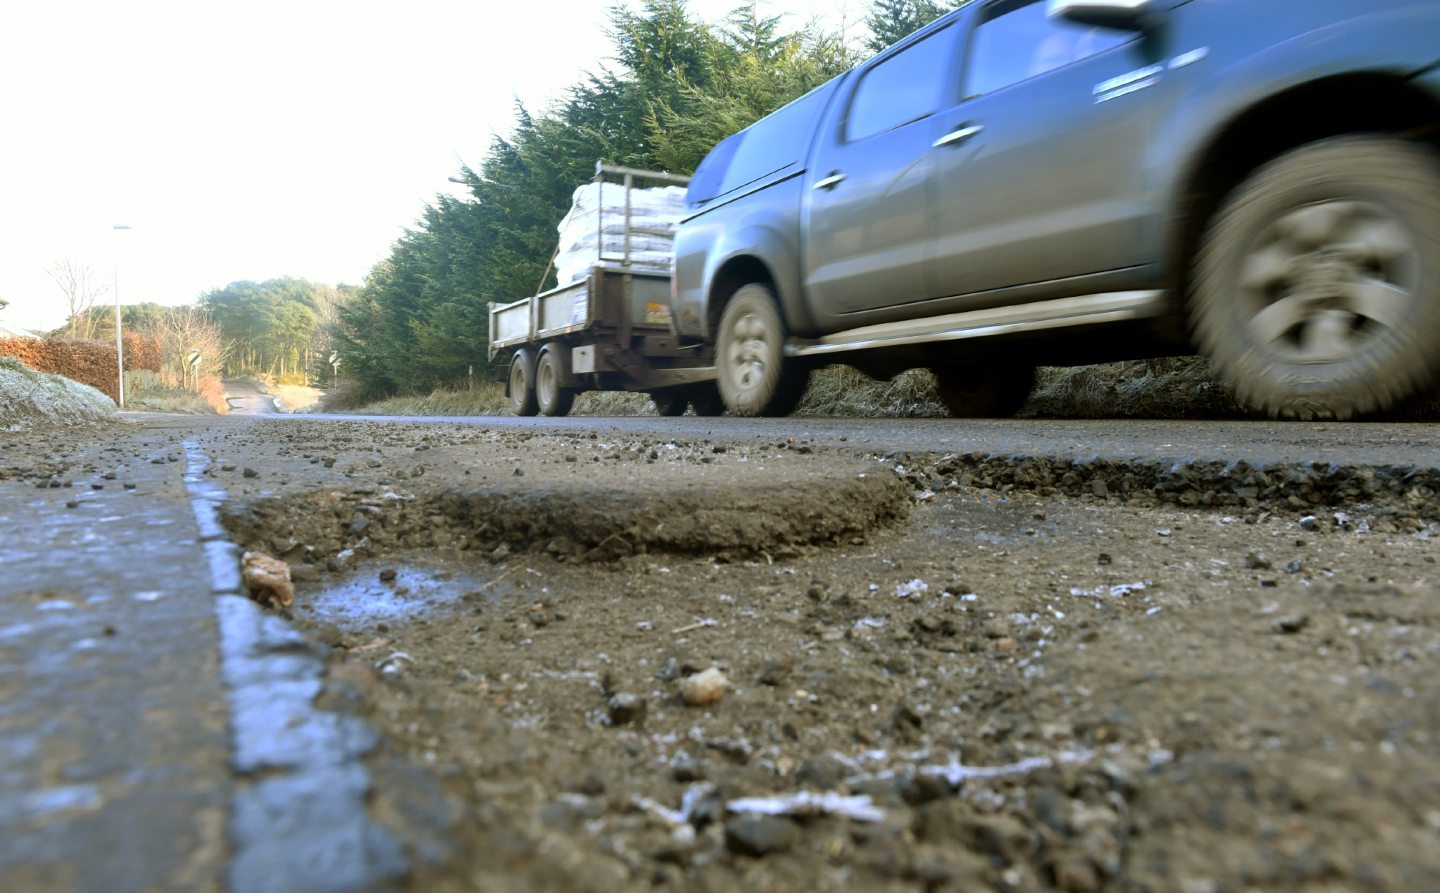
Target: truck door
1040	170
871	212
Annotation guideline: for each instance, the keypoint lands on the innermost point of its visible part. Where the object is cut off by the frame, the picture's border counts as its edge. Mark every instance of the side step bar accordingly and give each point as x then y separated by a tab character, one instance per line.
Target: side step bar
1085	310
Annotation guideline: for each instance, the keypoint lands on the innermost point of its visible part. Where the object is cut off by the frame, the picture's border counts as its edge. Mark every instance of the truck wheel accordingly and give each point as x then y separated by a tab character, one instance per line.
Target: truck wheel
755	379
670	402
522	383
550	397
984	392
1317	290
705	399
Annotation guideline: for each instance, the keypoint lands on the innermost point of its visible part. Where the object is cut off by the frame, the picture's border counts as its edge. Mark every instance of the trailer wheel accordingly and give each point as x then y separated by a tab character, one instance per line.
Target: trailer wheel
521	389
551	397
670	402
984	392
755	378
705	399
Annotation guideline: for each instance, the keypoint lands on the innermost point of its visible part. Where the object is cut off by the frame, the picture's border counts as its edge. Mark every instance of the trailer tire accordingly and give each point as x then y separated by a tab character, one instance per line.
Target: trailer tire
552	398
755	377
521	387
670	402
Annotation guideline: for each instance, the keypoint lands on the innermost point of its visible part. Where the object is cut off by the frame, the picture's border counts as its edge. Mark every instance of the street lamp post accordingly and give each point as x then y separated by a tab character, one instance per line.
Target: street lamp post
119	344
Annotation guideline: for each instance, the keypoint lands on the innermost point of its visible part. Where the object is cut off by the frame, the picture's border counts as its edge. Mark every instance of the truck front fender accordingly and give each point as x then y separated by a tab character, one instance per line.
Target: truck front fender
726	257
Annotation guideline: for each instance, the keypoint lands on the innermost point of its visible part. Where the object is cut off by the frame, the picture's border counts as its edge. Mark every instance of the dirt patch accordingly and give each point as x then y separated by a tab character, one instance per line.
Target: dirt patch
1028	682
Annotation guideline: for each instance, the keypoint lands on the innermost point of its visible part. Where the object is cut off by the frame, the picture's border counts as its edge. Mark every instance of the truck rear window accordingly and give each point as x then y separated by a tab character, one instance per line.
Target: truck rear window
769	146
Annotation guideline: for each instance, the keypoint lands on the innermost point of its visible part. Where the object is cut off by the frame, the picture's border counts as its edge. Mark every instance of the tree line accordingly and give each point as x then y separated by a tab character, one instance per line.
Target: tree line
280	327
677	86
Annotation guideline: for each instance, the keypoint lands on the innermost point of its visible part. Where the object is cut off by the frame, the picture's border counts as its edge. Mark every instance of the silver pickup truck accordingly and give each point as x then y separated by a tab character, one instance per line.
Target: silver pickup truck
1027	182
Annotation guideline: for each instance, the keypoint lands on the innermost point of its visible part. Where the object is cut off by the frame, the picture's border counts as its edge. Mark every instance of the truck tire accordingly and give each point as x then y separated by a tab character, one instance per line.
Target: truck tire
1317	288
670	402
755	378
984	392
521	389
551	398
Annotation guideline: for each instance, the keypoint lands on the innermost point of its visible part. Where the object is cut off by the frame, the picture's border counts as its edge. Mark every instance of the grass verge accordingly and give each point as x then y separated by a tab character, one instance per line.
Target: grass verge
28	397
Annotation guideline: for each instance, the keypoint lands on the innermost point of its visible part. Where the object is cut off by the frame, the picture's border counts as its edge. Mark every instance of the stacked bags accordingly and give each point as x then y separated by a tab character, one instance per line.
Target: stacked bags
594	230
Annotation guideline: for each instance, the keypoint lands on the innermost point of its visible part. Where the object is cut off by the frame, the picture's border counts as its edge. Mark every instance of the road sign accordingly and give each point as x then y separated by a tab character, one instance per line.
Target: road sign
192	358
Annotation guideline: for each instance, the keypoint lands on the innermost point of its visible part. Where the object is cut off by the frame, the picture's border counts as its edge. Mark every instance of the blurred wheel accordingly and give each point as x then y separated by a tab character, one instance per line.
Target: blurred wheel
755	379
1317	291
522	383
551	398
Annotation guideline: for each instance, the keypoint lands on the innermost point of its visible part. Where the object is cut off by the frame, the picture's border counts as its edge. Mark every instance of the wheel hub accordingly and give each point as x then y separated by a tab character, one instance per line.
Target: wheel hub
1326	279
748	352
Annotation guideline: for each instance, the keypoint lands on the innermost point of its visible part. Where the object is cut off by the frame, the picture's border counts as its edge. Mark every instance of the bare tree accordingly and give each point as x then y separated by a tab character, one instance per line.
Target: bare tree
81	286
184	332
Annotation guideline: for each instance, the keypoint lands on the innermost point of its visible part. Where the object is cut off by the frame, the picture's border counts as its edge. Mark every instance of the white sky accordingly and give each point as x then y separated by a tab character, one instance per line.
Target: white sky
249	139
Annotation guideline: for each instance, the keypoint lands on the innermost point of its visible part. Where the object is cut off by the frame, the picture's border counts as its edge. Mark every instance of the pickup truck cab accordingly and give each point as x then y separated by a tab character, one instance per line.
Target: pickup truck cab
1060	182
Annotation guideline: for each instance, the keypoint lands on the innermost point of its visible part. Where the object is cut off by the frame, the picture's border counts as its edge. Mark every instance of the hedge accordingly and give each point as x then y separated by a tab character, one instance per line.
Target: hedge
88	362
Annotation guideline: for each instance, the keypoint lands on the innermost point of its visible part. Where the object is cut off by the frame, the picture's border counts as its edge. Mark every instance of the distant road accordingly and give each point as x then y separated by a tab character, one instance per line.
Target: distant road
244	398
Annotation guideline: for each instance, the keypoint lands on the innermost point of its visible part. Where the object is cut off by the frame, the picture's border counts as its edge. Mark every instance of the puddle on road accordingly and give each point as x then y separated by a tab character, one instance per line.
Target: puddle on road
422	589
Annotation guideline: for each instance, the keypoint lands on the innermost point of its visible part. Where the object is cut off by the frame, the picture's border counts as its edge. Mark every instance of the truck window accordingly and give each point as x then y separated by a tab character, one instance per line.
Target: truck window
770	145
1016	40
901	88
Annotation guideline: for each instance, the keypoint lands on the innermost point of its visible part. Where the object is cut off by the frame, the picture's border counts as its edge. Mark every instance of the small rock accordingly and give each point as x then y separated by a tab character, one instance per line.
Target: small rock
904	719
1256	561
685	768
736	749
304	573
267	579
822	773
1290	624
624	709
923	788
774	673
388	575
1006	645
759	835
1295	566
1309	522
704	688
1103	558
250	473
500	553
669	670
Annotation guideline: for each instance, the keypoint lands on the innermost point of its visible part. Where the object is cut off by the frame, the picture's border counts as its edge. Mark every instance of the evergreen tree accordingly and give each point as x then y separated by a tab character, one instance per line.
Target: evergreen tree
890	20
677	88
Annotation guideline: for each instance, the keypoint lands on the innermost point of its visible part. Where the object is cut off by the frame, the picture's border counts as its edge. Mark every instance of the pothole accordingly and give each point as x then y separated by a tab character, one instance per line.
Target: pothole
407	587
333	530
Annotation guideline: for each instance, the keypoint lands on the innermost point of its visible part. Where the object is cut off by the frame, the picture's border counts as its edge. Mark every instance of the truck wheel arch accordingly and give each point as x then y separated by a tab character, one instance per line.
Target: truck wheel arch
733	275
1362	102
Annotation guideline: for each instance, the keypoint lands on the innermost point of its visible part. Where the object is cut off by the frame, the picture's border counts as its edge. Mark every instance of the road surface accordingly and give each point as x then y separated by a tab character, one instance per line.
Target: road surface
988	656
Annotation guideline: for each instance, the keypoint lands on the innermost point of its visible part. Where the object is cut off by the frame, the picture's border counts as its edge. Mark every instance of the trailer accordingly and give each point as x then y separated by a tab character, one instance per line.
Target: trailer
610	331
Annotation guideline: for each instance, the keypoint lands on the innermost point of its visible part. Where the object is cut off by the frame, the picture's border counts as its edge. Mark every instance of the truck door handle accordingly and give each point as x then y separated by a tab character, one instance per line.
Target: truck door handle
960	134
830	182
